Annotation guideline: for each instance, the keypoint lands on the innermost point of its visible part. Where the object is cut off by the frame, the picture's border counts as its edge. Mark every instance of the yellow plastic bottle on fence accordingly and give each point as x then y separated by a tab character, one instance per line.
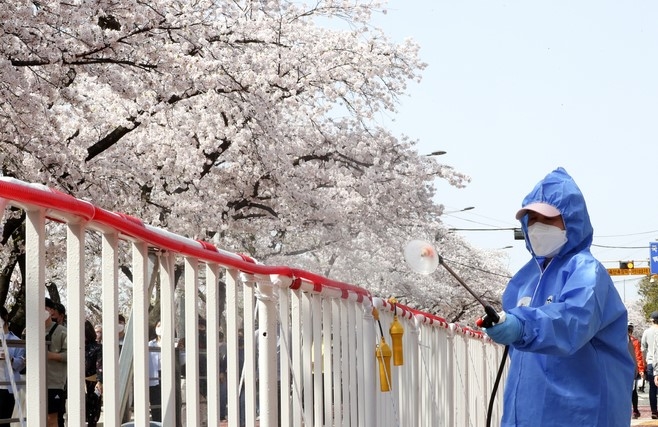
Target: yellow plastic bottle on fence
383	355
396	330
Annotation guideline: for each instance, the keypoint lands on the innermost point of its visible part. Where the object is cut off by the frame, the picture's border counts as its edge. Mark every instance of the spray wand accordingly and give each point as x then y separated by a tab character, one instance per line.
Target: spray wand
422	258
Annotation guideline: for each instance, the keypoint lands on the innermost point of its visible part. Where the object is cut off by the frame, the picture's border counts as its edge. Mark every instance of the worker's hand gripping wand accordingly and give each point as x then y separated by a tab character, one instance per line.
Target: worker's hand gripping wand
422	258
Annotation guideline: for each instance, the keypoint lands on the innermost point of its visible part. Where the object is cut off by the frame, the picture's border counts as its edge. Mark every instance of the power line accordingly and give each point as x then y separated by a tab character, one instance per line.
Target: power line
482	229
506	276
474	222
516	228
620	247
631	234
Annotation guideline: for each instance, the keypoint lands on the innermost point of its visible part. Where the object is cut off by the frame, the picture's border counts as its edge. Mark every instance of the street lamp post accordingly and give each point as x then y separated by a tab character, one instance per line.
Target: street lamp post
468	208
436	153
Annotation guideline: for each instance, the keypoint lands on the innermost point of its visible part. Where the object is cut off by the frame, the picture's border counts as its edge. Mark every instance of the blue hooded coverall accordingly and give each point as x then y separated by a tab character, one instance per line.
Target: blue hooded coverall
571	367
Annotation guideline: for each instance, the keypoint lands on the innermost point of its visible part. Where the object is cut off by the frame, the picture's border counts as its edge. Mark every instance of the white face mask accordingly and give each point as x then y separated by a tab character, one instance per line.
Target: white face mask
546	240
158	331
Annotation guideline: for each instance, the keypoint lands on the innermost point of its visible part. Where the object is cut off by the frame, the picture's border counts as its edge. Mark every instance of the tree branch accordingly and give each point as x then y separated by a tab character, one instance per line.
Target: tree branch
109	140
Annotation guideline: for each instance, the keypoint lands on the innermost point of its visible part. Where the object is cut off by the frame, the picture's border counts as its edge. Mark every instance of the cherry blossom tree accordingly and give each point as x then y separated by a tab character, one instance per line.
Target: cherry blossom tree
254	123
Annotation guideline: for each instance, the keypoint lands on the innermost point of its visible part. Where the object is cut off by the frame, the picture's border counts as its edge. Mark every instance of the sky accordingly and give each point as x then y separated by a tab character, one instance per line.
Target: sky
514	89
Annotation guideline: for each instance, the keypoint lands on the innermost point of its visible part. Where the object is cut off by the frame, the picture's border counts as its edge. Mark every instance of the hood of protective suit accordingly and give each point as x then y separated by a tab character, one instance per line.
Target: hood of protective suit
559	190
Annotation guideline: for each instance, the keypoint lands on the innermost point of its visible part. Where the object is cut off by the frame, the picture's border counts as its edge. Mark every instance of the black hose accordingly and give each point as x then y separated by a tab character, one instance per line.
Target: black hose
381	331
488	320
495	386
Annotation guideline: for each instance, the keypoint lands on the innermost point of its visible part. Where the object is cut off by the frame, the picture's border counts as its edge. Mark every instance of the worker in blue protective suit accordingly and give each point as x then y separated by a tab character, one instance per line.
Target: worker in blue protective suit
563	320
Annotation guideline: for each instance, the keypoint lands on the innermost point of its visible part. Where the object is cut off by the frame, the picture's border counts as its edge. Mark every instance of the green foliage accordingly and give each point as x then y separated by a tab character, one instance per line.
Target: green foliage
648	291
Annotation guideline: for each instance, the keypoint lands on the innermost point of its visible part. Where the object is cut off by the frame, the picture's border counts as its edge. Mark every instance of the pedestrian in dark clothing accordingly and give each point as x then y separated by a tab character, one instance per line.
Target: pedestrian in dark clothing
639	371
649	345
56	358
9	371
155	388
93	376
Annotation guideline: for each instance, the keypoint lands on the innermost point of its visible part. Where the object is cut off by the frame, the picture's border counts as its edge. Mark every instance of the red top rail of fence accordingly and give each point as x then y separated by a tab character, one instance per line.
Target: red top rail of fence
27	196
64	207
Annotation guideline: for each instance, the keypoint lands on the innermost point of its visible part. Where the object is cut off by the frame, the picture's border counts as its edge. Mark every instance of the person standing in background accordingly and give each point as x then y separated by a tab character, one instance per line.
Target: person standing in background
56	356
155	390
59	314
649	350
639	372
223	389
203	359
98	329
93	376
59	317
122	331
16	357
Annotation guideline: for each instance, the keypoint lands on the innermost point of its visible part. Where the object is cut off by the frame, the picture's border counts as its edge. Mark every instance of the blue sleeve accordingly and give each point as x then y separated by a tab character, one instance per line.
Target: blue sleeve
18	356
574	318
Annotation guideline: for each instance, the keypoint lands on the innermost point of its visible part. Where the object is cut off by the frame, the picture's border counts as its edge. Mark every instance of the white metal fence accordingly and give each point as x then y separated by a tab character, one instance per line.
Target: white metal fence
309	342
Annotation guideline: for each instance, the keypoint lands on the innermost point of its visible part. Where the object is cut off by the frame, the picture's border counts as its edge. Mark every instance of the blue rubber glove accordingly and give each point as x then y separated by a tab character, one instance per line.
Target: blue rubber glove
507	331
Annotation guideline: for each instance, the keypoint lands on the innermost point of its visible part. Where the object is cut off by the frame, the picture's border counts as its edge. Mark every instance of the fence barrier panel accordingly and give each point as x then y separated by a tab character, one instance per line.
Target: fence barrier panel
260	345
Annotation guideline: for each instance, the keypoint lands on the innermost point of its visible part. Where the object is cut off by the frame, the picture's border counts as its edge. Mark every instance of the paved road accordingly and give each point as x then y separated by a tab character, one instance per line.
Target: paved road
645	410
643	404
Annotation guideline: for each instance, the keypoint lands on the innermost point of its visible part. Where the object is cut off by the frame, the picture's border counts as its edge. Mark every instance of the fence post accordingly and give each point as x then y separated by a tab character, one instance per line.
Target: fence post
139	321
267	346
35	273
110	267
75	262
192	409
168	353
369	364
213	317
